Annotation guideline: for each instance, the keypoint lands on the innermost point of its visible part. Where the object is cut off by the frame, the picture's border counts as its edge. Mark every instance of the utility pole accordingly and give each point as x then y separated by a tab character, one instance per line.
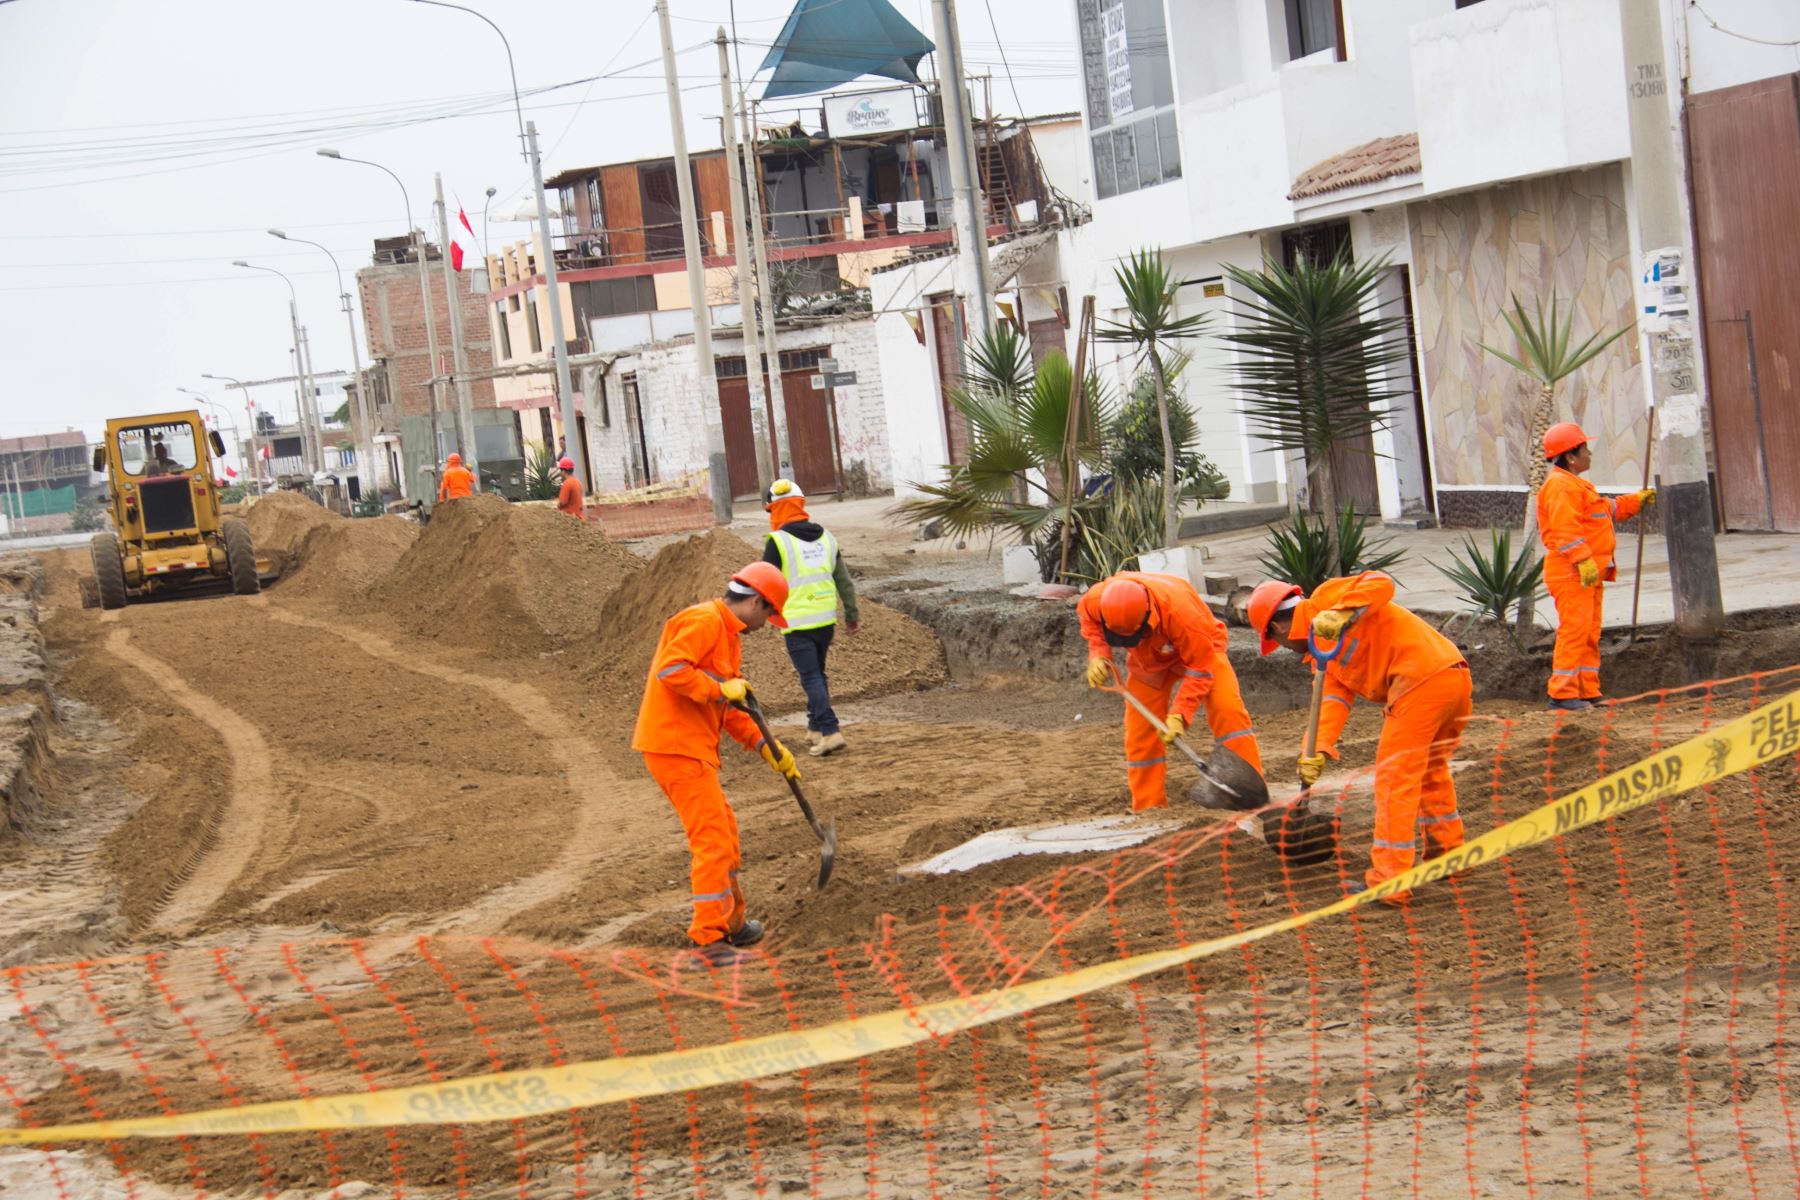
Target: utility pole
302	385
965	186
314	435
766	281
559	345
465	408
1655	98
690	240
749	282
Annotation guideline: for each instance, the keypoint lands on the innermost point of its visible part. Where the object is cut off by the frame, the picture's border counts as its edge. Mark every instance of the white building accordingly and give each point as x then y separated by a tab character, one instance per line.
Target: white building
1483	147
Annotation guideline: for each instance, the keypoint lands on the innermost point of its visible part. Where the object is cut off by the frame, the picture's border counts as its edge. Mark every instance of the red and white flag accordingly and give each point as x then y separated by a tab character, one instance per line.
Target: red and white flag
456	251
231	472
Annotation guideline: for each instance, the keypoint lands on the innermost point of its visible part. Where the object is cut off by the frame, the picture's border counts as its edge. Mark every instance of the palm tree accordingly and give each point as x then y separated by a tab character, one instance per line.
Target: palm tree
1151	324
1545	356
1018	424
1309	358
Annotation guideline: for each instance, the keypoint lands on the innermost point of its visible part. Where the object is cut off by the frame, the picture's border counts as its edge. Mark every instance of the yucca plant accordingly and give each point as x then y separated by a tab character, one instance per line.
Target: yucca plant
1303	551
1544	354
542	480
1495	582
1152	326
1018	423
1310	356
1115	525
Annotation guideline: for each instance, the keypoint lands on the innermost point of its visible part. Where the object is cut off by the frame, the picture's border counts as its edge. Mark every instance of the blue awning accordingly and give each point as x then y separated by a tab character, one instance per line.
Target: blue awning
828	42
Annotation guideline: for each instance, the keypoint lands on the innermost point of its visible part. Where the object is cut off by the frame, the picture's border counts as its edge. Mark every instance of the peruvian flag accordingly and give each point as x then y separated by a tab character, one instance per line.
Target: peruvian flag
264	451
456	251
231	472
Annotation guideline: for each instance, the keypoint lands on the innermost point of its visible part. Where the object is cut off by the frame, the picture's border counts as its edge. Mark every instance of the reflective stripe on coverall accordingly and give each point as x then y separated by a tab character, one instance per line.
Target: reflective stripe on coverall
1576	523
677	732
1393	657
1182	657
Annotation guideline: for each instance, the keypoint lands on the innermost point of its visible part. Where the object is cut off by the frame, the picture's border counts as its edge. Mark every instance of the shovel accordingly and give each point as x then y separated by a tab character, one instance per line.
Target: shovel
1303	835
1244	787
827	834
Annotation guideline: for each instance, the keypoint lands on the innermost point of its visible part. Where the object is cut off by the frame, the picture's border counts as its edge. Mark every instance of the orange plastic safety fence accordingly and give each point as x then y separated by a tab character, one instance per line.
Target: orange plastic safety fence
1604	1014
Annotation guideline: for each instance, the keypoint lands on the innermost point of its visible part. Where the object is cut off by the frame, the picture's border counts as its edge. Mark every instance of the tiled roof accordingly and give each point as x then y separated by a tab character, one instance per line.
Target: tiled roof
1383	158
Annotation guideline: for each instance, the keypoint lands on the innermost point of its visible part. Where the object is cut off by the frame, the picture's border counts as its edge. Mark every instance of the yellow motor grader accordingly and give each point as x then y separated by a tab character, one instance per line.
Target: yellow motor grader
167	532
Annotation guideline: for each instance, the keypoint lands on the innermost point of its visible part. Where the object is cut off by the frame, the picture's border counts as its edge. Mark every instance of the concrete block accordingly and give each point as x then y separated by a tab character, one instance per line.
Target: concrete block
1183	562
1218	585
1018	564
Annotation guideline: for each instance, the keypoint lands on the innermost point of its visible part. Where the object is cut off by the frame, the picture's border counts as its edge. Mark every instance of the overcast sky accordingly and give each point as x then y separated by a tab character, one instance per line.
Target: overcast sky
145	144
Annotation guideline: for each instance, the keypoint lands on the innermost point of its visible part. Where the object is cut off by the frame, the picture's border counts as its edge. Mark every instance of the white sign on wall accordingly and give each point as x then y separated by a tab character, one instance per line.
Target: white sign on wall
871	112
1118	62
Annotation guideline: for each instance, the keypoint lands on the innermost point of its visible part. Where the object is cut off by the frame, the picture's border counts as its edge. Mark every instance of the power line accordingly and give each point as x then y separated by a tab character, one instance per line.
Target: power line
1744	37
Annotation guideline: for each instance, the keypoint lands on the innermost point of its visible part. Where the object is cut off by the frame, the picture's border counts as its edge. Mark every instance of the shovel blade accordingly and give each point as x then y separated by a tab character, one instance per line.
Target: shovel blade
1230	783
827	853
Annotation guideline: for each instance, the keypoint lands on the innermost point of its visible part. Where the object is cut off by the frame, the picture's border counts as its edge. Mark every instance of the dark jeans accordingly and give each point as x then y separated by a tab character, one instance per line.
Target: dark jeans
807	648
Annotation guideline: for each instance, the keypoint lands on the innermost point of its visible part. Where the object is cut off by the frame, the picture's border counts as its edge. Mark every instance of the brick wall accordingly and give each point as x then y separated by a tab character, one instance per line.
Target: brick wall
394	324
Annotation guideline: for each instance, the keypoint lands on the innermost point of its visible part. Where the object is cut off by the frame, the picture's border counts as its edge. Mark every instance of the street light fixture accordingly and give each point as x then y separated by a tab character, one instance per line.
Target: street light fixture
302	367
223	419
364	410
528	148
418	242
250	416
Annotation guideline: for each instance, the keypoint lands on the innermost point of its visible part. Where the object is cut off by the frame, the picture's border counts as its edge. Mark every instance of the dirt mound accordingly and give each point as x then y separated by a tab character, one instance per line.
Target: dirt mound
504	579
280	521
891	653
344	558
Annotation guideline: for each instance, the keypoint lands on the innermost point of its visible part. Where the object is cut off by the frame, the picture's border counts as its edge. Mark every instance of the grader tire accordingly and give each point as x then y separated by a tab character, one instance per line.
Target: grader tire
240	558
109	569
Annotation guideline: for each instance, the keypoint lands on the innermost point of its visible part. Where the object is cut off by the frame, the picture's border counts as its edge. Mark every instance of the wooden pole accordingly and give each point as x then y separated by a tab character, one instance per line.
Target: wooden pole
837	177
1071	461
1637	576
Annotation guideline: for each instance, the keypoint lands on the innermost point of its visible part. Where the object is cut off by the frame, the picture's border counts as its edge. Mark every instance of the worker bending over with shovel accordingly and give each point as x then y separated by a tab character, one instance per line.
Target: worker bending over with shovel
1576	524
694	687
807	556
1387	654
1175	647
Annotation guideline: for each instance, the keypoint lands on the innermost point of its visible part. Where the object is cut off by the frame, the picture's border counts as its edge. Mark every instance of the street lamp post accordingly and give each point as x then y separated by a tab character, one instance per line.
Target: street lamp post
431	349
308	441
365	411
559	344
222	418
250	416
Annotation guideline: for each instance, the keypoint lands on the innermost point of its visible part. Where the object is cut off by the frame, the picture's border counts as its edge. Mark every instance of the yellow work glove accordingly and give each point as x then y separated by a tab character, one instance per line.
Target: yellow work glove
1590	572
1173	728
734	690
1647	496
1311	767
1099	672
781	760
1330	623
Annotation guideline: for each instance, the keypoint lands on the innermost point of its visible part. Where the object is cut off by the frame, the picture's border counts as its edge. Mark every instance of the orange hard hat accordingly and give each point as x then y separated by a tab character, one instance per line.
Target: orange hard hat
1265	602
1124	611
455	460
1562	438
766	580
565	463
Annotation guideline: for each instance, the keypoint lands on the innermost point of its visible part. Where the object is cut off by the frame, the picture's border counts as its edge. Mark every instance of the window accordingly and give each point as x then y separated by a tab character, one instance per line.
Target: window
496	443
531	322
502	334
566	198
1130	94
158	449
612	297
1312	26
596	215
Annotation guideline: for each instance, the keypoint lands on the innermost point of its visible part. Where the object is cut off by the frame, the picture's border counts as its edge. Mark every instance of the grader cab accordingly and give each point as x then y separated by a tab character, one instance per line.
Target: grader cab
168	534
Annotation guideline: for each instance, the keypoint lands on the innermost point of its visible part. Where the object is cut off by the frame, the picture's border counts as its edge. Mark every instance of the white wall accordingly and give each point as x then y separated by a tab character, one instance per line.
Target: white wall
911	399
1717	59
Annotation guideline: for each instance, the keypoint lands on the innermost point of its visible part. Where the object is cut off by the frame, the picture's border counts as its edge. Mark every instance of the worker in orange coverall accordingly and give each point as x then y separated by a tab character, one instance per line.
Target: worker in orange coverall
694	682
1576	524
1175	647
457	481
1391	656
569	498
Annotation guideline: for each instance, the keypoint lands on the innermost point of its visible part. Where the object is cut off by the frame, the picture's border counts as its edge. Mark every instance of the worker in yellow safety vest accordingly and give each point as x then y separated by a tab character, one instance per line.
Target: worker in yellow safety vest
817	582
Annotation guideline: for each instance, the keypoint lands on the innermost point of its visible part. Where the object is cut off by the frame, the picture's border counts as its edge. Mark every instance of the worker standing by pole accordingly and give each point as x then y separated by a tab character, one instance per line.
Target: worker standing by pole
807	555
695	682
1387	654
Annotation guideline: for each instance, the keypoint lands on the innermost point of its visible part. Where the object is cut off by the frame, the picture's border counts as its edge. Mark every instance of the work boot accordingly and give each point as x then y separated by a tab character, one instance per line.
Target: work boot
828	743
1569	705
812	739
747	934
1355	887
720	953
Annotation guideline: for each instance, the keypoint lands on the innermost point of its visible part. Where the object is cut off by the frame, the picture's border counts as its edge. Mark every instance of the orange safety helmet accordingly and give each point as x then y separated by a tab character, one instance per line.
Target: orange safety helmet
766	580
1562	438
1124	612
455	460
1265	602
565	463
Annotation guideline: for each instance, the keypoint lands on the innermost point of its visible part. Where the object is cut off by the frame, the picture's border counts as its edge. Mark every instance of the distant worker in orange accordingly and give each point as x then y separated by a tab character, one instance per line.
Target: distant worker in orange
1576	524
1393	657
458	481
569	498
1176	648
694	682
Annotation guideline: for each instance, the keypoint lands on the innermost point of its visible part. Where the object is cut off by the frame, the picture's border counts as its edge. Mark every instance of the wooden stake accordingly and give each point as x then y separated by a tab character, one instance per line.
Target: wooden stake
1077	406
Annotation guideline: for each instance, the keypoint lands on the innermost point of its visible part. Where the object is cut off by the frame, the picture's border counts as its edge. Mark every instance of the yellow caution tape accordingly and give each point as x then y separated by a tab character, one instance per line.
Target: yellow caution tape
1769	732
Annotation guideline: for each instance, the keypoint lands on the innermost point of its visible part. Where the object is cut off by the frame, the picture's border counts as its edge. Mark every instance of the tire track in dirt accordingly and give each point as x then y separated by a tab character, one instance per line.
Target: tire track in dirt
239	826
600	823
